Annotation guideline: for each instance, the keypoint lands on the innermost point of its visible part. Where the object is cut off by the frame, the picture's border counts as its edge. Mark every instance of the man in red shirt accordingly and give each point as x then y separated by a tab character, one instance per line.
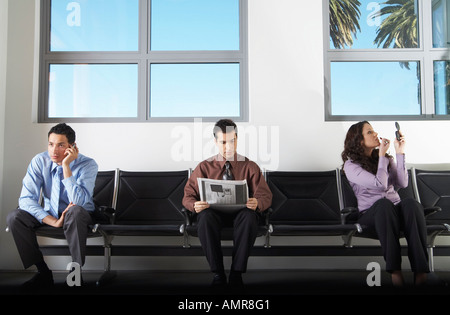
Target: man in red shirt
244	221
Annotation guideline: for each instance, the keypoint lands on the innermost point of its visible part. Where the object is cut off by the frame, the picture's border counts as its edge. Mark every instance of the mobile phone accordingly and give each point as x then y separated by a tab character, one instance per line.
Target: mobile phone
397	132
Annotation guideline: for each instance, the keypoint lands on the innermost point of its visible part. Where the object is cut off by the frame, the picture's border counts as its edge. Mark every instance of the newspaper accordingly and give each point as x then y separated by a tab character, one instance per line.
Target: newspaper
223	195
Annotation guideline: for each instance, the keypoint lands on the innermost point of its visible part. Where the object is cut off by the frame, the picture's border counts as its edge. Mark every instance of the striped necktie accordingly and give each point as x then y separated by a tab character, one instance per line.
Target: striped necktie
56	191
228	175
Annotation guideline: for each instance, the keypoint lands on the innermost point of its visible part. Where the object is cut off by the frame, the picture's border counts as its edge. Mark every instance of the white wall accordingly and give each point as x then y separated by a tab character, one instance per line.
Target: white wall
3	48
286	110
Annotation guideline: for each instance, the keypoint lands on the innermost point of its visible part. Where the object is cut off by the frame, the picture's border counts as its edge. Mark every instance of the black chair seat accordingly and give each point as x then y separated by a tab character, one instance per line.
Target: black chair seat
58	233
227	232
142	229
312	230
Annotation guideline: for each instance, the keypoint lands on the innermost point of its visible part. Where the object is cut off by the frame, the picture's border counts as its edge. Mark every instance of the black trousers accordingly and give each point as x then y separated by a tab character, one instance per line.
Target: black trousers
388	221
22	226
245	227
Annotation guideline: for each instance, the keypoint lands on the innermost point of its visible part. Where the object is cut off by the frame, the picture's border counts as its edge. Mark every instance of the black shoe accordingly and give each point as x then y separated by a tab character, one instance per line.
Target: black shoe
235	280
41	280
219	280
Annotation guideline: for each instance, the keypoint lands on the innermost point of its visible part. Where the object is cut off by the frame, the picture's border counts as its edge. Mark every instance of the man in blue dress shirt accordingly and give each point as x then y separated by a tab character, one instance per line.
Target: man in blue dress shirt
66	180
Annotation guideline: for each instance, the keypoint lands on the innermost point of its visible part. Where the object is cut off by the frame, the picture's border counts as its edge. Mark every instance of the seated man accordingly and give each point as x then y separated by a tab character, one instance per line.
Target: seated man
67	180
245	221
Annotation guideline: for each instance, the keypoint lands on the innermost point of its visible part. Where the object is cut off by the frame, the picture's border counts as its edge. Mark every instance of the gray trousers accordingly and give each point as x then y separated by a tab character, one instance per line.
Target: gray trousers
23	228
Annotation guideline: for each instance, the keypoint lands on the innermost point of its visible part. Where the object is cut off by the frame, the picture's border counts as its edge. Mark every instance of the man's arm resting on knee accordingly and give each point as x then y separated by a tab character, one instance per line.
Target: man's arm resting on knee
52	221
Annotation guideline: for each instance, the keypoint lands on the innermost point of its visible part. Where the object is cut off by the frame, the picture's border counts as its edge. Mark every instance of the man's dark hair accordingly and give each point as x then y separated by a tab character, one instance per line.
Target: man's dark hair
225	126
63	129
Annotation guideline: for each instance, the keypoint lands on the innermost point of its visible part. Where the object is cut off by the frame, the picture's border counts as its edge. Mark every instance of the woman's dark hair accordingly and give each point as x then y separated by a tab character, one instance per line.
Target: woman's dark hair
224	126
354	149
63	129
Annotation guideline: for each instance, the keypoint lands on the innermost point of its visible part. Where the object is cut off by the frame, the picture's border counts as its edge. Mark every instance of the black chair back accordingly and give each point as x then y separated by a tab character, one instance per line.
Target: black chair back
150	197
304	198
104	189
433	188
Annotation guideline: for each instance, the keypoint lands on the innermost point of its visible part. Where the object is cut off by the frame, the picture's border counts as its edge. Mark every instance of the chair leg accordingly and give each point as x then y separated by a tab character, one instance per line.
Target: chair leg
107	274
430	258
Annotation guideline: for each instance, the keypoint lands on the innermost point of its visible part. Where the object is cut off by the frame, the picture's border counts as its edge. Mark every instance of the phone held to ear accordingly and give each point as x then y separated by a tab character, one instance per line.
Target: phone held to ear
397	132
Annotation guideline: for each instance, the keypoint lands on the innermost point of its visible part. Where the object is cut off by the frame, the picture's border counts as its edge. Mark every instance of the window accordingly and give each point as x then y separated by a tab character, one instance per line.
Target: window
143	60
387	60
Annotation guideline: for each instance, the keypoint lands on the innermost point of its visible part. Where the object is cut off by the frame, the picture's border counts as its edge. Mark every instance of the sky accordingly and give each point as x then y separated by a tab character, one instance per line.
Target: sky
373	88
176	90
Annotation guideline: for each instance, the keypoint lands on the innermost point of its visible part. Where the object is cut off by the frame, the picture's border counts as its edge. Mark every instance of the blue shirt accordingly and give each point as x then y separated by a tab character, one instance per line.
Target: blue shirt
78	188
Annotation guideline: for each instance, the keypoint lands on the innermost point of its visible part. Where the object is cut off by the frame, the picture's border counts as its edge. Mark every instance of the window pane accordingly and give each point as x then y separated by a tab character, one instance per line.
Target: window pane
375	88
441	25
93	90
194	90
369	24
102	25
442	87
195	25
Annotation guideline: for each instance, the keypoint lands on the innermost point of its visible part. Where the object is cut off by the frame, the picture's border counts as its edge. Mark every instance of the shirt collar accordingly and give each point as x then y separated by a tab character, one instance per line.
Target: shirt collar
221	160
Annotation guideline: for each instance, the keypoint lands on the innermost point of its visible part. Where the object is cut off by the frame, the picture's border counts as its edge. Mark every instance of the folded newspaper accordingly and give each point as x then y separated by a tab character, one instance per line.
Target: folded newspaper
223	195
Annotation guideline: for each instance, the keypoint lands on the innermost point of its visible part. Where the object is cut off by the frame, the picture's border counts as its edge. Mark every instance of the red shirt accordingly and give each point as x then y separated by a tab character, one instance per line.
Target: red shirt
241	167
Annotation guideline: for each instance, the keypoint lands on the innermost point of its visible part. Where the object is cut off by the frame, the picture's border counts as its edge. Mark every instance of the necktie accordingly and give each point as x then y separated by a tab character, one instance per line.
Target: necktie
56	191
227	175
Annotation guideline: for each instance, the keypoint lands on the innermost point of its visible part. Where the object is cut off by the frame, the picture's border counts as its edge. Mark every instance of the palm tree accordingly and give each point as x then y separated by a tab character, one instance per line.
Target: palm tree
399	27
344	16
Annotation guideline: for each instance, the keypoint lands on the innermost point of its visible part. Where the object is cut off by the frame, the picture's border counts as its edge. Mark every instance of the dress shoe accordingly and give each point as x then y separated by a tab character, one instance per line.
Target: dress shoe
41	280
235	280
219	280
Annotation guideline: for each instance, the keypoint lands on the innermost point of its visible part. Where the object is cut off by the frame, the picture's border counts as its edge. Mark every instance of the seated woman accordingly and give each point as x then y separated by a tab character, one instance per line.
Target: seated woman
374	177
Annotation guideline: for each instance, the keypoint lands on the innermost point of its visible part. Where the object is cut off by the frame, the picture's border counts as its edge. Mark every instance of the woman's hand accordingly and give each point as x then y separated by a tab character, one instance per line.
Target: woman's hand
384	146
400	144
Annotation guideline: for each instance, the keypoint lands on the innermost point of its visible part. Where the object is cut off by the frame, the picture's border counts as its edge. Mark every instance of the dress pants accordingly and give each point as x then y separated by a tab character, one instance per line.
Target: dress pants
22	226
245	227
388	220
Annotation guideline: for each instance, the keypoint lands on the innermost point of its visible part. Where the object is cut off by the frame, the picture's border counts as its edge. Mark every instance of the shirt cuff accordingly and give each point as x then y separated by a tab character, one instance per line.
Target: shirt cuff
69	182
39	215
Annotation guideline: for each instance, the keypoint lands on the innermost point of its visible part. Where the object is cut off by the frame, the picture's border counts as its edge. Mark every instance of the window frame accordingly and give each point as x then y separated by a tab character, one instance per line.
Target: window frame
144	57
425	54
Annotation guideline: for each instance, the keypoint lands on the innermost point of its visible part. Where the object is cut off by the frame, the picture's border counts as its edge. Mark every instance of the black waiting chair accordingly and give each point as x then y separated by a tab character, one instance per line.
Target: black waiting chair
307	203
432	189
148	204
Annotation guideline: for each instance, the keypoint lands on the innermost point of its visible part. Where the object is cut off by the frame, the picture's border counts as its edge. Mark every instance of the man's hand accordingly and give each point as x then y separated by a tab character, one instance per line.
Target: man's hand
200	206
52	221
252	203
71	154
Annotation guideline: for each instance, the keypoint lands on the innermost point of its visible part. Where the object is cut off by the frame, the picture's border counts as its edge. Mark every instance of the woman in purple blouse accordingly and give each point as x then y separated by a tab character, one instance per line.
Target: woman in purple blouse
374	177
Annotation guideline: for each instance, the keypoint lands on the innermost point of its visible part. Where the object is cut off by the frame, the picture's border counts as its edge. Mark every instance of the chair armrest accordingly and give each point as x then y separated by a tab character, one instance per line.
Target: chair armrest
345	212
266	215
188	216
105	212
431	210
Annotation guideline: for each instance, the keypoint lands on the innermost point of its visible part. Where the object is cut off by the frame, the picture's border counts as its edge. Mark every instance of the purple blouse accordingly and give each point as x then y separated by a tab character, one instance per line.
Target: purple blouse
369	188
